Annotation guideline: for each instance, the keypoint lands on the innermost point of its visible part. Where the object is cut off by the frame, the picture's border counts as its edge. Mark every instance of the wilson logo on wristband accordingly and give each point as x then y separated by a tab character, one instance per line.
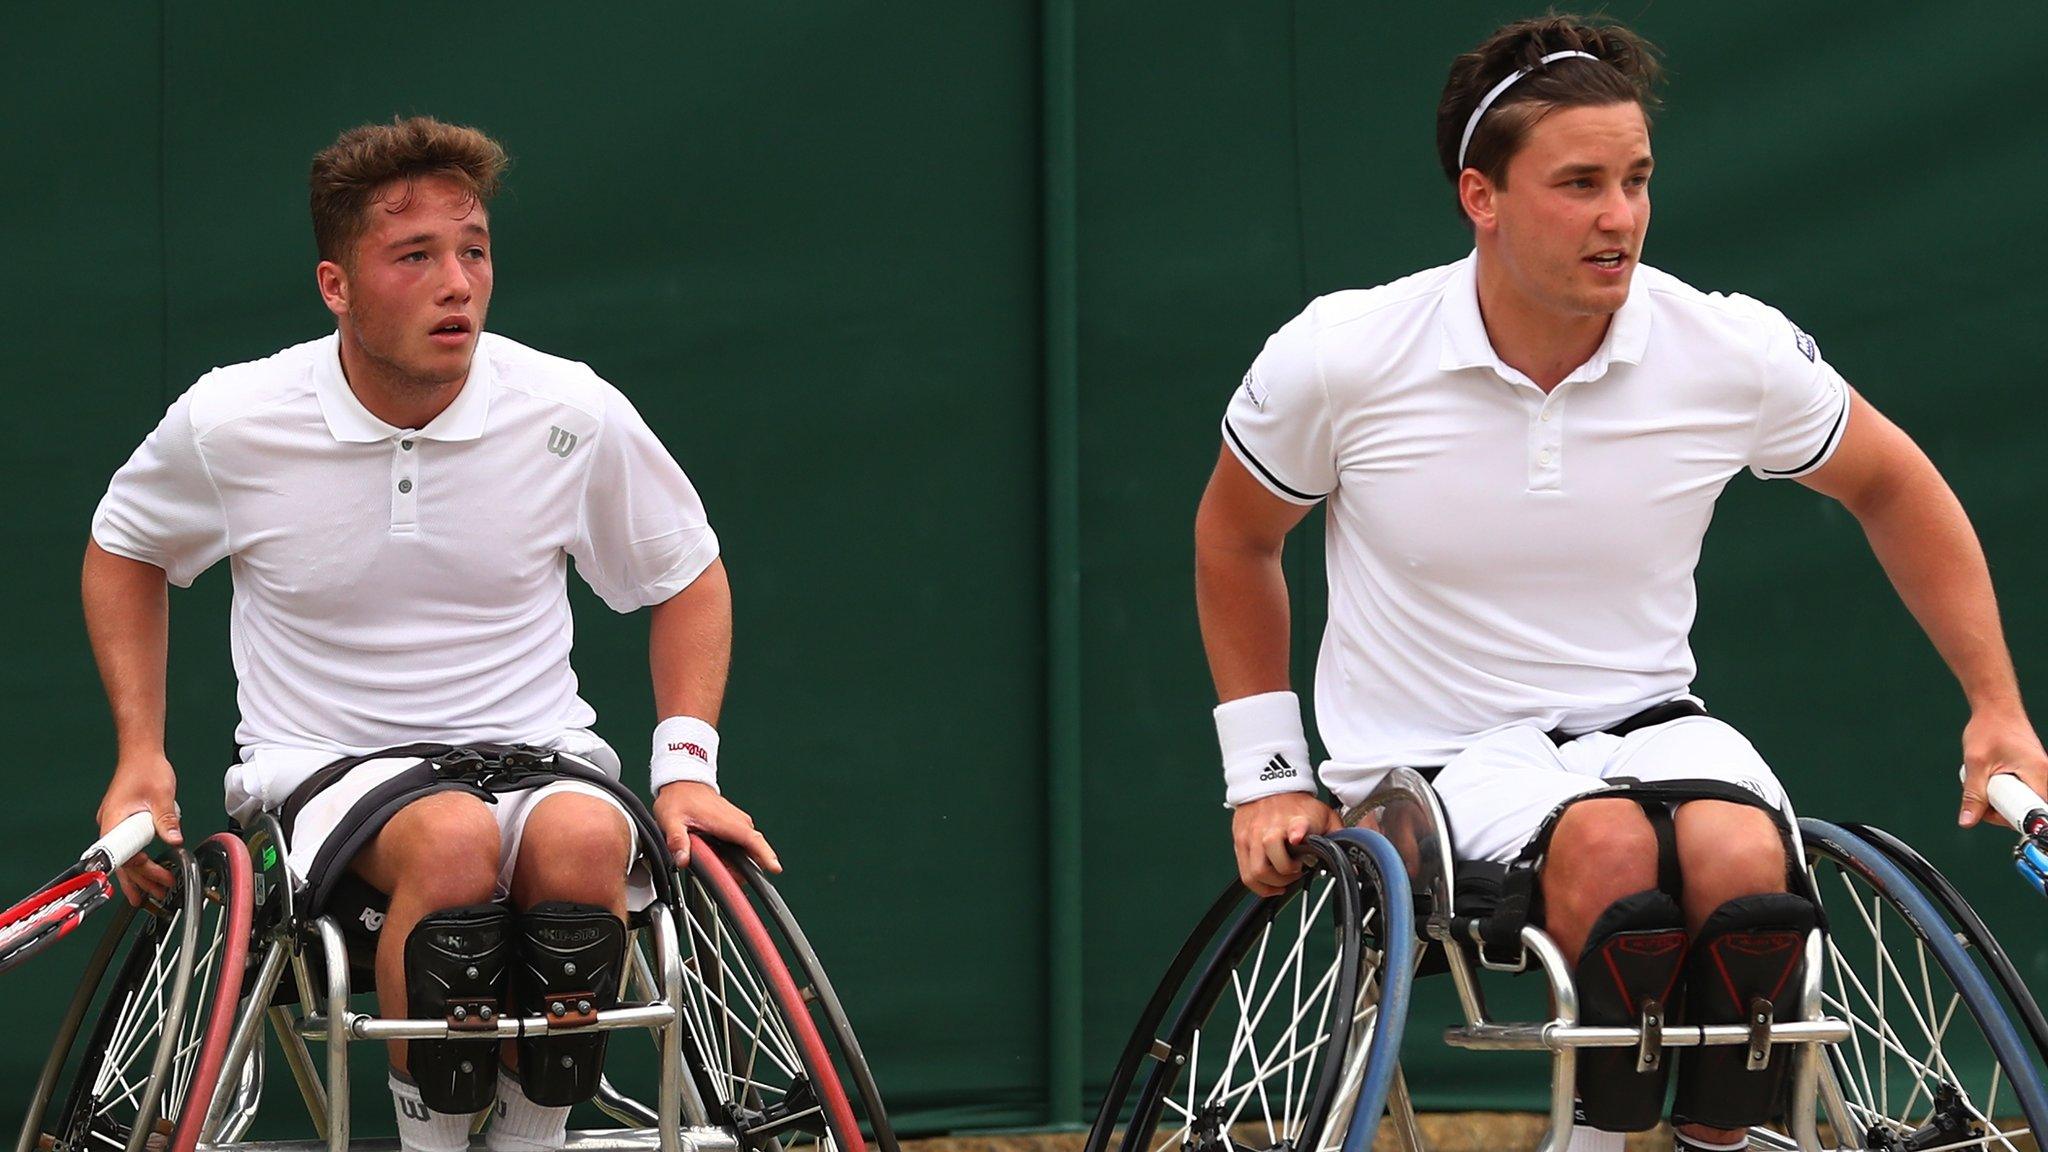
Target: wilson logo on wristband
1277	769
688	748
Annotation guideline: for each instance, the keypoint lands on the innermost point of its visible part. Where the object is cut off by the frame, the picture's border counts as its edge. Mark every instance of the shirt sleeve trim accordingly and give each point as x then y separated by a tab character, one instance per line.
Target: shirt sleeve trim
1827	448
1264	473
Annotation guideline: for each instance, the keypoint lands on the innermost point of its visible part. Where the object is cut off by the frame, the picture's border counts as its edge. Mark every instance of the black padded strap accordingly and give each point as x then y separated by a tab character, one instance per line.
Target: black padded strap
1655	714
484	771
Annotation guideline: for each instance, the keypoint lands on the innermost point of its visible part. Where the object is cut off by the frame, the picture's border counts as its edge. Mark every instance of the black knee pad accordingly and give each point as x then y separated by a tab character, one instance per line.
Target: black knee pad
1626	976
1746	964
455	968
570	960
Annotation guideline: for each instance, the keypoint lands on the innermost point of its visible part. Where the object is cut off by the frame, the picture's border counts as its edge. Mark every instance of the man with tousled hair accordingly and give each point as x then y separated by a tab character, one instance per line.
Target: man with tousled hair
1521	452
399	502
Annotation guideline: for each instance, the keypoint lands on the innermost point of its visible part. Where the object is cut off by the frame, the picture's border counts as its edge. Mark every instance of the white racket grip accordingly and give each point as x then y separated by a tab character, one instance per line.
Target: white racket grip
2013	799
130	836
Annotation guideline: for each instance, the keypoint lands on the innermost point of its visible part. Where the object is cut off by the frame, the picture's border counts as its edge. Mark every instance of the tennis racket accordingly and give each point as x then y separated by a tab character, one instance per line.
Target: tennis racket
56	908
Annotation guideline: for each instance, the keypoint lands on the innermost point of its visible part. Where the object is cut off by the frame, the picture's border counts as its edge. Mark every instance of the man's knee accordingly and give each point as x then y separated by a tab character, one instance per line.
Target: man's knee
574	847
1600	851
1728	850
441	850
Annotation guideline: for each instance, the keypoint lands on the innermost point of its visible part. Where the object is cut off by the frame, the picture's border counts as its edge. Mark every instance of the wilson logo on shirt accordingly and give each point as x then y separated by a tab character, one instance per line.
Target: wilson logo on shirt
1253	392
561	442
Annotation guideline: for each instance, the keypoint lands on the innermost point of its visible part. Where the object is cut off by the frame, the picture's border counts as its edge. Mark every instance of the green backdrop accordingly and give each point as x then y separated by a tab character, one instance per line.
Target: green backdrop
823	246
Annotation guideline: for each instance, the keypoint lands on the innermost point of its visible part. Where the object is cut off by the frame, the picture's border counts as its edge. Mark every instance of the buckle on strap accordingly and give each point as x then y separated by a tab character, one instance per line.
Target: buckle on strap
494	770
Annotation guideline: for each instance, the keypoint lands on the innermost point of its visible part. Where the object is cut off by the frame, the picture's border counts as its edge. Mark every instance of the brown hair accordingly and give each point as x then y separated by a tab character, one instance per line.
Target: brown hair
1626	71
348	173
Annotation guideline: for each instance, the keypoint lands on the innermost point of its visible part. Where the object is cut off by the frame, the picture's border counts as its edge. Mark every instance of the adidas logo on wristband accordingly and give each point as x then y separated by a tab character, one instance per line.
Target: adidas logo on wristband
1277	769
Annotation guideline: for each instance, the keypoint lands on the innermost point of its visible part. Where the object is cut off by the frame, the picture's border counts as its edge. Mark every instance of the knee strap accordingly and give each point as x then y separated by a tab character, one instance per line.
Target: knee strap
455	967
1744	967
570	957
1626	976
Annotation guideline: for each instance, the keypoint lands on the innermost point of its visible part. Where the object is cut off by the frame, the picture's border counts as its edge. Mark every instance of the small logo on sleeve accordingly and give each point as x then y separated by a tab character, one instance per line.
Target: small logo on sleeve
561	442
1277	769
1253	392
689	749
1804	342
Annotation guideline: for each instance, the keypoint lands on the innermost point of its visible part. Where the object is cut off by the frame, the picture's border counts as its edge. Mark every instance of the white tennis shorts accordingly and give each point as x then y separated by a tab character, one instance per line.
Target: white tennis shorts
1498	790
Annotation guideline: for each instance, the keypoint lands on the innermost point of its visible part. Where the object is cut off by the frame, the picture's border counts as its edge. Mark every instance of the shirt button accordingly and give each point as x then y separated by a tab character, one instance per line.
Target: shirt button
407	444
1542	457
1545	418
406	485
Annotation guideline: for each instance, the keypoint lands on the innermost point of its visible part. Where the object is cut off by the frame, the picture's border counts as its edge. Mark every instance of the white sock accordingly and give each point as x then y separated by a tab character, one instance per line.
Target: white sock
520	1125
420	1129
1585	1139
1682	1141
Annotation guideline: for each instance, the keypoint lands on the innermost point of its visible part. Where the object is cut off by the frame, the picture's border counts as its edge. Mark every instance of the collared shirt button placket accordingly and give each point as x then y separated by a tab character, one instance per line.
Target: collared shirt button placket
404	500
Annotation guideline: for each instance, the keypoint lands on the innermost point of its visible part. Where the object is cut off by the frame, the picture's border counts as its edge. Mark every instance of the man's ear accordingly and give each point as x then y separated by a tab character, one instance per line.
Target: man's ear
1476	195
332	280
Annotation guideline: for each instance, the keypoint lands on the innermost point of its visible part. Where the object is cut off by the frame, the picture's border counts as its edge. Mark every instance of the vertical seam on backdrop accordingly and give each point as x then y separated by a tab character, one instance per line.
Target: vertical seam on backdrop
1295	562
163	196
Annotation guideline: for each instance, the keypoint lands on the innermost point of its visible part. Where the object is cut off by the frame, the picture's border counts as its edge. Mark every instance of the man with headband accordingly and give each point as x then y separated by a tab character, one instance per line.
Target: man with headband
1521	453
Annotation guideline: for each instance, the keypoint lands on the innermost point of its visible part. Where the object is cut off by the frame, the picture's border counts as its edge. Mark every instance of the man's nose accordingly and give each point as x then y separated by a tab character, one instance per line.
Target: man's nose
1617	211
455	281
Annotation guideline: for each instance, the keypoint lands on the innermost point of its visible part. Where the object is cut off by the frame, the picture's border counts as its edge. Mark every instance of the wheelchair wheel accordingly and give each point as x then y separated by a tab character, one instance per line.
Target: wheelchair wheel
148	1069
1934	1059
1280	1019
751	1035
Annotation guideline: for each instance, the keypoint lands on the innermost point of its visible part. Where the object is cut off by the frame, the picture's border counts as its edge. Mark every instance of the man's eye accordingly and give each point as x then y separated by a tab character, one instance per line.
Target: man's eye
413	257
474	253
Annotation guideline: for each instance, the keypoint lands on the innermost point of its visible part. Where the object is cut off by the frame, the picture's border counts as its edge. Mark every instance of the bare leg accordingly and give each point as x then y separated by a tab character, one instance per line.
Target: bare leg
438	852
1601	851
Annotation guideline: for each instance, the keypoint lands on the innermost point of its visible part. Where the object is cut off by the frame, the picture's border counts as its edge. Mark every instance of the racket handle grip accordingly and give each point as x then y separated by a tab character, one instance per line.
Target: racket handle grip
130	836
2017	802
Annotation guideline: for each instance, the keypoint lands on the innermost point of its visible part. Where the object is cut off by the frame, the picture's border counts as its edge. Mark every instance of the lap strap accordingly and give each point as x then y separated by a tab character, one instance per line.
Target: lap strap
480	770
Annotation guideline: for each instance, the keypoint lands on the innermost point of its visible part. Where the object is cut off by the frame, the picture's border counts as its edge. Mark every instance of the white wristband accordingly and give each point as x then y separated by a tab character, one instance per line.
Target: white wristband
685	748
1265	751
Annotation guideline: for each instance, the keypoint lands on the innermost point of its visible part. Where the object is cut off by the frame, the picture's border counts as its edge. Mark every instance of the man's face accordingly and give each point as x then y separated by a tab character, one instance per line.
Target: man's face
411	298
1570	217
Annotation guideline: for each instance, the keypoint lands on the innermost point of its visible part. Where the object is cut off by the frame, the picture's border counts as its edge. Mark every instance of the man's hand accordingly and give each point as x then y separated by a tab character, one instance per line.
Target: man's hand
1266	833
686	806
143	784
1995	741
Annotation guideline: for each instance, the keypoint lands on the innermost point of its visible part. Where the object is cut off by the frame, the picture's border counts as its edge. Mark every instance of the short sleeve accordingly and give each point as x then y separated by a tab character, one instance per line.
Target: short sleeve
1804	406
1278	420
643	535
162	507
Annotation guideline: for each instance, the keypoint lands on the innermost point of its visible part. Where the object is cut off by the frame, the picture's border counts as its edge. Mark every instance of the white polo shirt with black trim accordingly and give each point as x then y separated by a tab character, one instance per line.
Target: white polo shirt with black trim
397	585
1497	555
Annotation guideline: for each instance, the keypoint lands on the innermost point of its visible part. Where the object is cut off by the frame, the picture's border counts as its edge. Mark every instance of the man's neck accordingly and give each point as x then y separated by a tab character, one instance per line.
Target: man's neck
1544	345
391	396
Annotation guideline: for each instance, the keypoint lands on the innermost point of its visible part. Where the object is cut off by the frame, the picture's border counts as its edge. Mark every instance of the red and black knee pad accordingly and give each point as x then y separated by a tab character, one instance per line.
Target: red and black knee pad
1627	976
1746	967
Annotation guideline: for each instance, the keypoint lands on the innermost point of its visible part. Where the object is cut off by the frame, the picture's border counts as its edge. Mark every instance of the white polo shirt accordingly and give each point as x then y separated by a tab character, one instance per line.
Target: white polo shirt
398	585
1497	556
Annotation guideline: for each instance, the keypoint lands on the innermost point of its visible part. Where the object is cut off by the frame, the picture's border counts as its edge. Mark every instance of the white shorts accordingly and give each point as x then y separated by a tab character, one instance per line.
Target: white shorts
1497	791
317	820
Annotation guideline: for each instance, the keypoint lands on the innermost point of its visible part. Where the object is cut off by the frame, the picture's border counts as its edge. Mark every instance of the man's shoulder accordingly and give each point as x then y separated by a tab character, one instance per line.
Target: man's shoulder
1729	318
1364	312
550	381
254	387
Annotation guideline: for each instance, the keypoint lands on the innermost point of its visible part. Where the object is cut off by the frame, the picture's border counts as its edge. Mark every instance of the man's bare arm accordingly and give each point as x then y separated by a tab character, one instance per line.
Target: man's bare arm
1924	540
689	652
1241	599
127	618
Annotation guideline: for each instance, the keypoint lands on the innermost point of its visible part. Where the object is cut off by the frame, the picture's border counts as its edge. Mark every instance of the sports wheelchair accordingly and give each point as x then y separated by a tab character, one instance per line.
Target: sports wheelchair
161	1048
1279	1024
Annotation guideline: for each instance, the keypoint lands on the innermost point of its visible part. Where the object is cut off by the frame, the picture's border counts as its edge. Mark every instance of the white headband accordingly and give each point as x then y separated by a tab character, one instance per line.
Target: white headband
1505	84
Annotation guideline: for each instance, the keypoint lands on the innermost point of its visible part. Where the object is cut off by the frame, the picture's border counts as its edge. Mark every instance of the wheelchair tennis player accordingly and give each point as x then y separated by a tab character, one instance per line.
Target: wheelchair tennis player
1521	452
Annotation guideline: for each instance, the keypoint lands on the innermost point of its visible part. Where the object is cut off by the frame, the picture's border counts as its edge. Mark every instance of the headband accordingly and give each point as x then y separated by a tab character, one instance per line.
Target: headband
1506	83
